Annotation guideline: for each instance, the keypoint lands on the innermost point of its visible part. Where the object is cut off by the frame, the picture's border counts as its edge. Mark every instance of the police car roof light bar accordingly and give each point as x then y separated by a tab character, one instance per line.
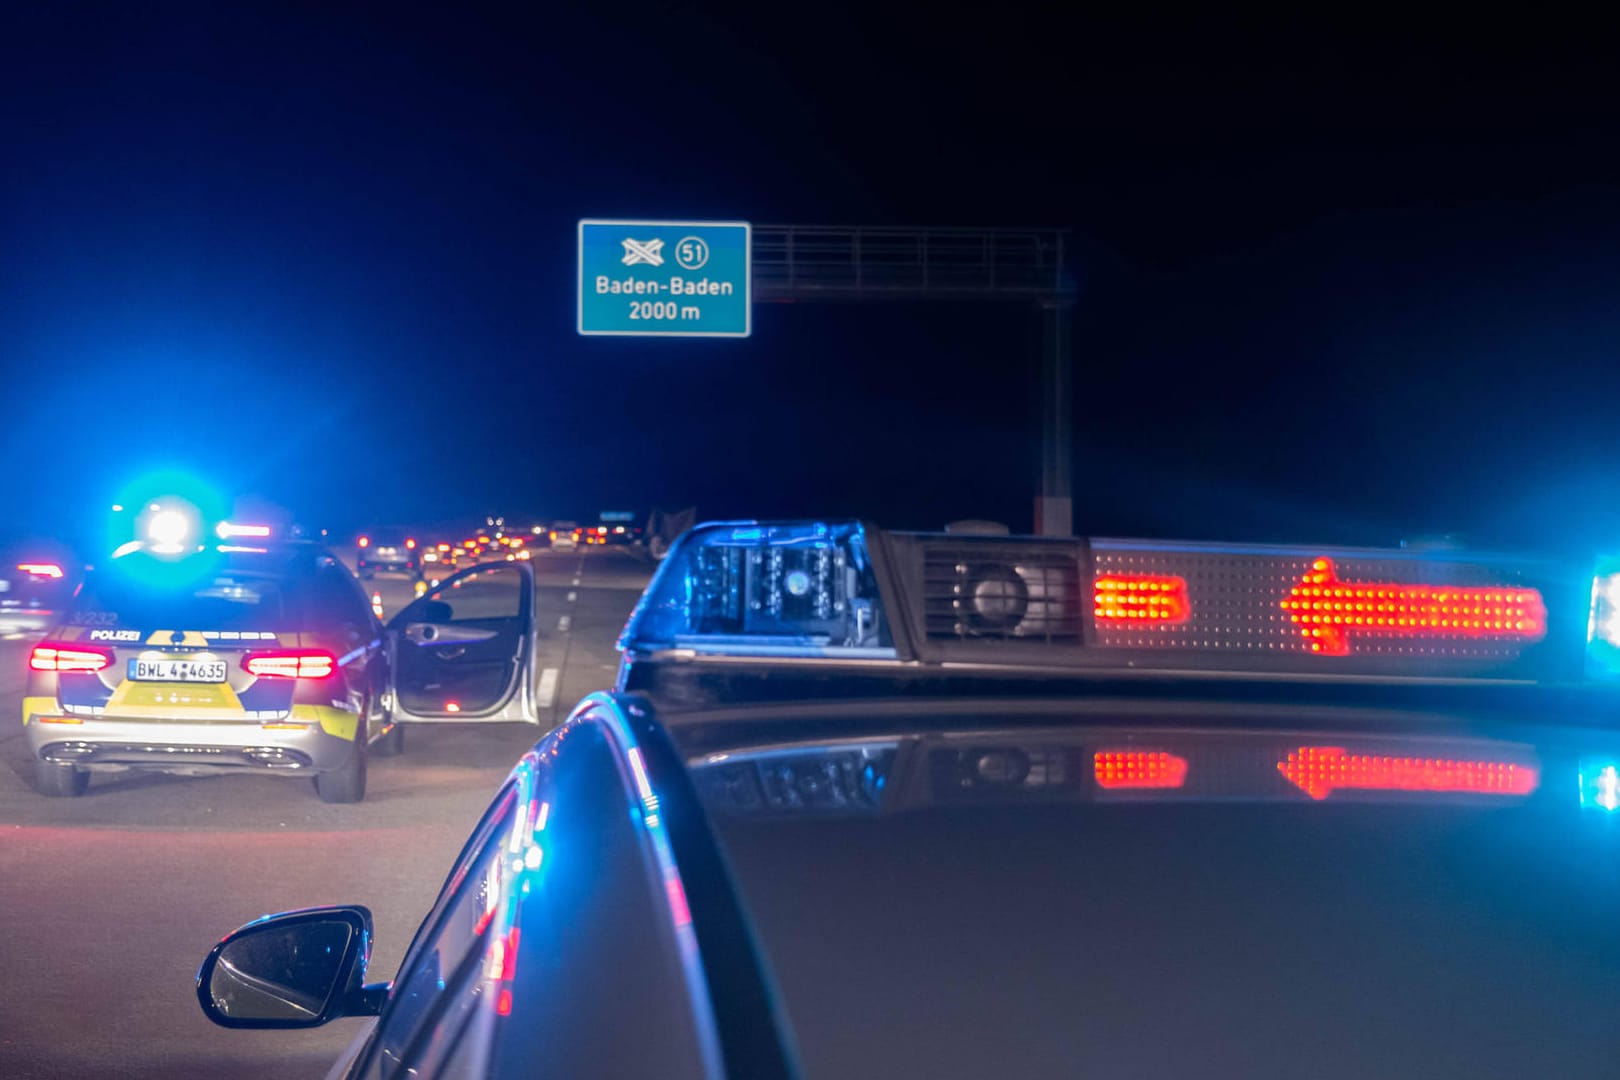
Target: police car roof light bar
849	591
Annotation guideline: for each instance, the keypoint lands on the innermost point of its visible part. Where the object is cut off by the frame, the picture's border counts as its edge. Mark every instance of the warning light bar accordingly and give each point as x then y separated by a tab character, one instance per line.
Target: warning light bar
748	589
1328	611
1115	769
848	591
1128	598
228	530
1319	771
40	570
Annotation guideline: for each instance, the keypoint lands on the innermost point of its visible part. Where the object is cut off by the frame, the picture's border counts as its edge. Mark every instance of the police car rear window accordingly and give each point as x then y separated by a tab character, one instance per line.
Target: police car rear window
226	600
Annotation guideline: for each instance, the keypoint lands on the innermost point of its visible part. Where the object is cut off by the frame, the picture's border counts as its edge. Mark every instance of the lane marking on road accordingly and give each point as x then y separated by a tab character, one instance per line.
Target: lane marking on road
572	597
564	622
548	687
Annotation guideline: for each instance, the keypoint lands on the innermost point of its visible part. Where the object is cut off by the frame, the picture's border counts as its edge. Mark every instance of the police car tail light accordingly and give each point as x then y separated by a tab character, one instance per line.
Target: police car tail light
1116	769
744	588
290	664
40	570
1319	771
49	656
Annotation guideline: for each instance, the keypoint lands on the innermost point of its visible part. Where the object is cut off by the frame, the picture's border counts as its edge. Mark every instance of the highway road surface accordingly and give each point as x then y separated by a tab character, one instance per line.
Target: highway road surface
111	900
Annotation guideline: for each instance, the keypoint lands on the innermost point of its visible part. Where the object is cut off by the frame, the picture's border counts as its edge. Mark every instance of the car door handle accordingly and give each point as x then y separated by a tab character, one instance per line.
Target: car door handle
455	652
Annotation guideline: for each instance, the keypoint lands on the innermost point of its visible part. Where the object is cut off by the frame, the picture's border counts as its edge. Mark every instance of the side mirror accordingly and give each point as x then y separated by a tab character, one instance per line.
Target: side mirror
294	970
422	610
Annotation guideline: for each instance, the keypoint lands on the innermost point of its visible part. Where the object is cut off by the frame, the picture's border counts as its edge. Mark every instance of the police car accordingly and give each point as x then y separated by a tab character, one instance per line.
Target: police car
262	654
879	804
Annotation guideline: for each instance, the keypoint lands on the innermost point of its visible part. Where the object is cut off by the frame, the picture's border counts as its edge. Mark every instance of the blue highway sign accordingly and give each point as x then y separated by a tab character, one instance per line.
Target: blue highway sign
665	278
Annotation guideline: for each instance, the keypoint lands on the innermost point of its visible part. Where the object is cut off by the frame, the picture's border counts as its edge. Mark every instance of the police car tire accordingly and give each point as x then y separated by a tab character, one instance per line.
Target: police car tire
345	785
60	781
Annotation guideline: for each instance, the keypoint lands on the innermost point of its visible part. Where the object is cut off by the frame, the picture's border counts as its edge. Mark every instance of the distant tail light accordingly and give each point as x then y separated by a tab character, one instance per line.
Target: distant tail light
57	656
291	664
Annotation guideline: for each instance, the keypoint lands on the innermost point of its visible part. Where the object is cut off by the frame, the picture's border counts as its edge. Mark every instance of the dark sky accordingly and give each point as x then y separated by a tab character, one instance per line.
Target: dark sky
1348	281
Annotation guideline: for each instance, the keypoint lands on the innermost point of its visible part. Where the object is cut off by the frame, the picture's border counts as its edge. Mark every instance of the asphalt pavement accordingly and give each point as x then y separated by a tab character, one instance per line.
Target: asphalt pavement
111	900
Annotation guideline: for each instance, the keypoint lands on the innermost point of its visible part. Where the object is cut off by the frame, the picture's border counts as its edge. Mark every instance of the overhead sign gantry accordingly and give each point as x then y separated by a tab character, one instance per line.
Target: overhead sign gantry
699	279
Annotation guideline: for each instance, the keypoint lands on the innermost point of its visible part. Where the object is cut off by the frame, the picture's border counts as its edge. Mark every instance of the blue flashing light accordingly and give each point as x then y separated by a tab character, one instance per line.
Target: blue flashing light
744	588
144	497
1603	624
1600	785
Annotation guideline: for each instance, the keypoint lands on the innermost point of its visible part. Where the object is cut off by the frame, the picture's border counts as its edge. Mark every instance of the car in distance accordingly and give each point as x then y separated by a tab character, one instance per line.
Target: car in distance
37	580
564	535
387	550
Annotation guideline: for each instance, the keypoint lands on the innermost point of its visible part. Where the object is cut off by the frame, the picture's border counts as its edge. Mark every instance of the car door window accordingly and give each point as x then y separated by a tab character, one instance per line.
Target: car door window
492	593
448	944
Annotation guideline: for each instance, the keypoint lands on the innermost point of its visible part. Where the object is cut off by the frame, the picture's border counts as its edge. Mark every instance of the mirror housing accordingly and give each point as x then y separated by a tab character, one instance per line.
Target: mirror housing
422	610
298	969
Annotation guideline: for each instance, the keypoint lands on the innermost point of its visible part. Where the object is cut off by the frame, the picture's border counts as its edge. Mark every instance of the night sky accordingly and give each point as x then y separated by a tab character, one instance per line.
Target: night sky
1348	282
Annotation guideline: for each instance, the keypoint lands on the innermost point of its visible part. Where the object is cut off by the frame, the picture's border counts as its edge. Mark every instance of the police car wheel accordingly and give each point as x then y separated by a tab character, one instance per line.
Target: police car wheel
62	781
348	784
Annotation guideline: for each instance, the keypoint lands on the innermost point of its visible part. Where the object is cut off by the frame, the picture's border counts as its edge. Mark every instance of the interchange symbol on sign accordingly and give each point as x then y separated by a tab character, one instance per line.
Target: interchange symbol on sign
637	252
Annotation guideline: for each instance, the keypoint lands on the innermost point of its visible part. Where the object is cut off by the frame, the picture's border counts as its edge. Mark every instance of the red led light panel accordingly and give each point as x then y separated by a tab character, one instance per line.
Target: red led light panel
1115	769
1121	600
1329	611
1319	771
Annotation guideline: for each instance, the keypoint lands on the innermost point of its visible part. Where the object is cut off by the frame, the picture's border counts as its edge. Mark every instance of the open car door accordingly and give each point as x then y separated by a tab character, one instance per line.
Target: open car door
465	650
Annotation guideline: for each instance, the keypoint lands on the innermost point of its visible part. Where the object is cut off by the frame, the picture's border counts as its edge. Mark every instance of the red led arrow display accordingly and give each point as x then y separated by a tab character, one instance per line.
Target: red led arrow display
1133	599
1319	771
1328	611
1138	769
